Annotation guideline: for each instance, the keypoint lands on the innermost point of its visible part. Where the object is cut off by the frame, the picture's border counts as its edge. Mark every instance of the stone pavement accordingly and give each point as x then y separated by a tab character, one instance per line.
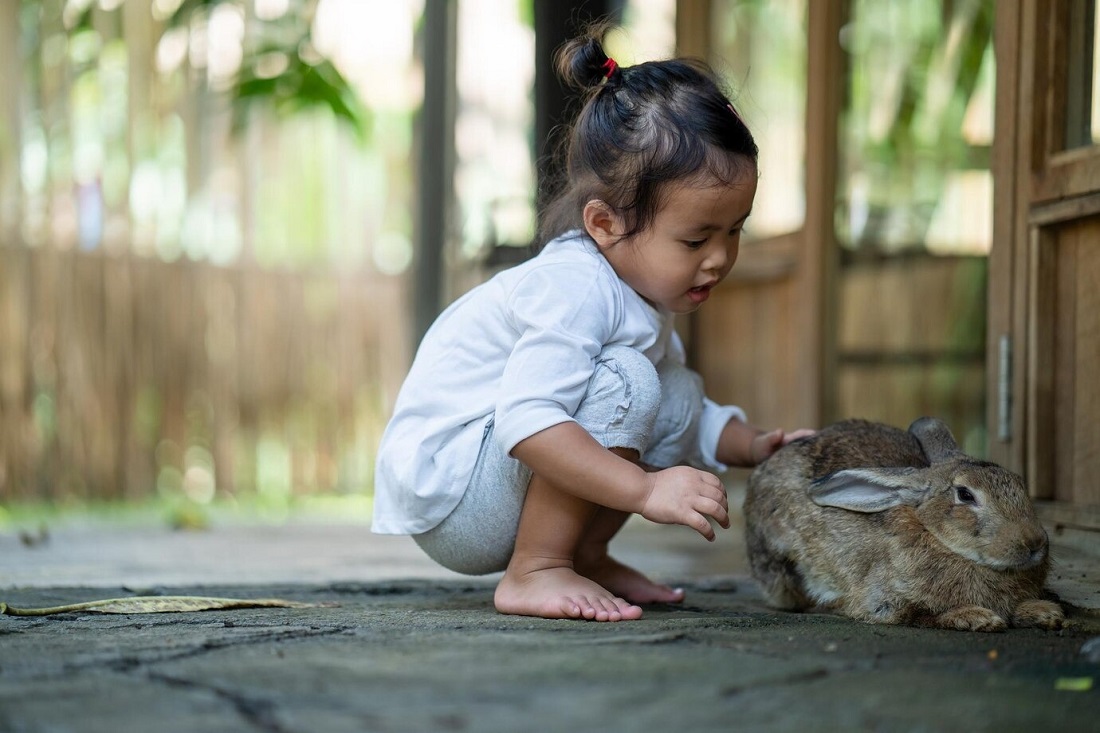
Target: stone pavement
397	644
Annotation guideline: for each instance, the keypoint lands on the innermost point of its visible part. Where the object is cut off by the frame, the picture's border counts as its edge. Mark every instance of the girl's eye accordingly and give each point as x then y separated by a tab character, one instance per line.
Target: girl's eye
965	495
695	243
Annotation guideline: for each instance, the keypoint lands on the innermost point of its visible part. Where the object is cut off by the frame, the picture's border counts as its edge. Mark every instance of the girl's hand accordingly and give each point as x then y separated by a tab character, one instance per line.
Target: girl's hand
687	496
764	444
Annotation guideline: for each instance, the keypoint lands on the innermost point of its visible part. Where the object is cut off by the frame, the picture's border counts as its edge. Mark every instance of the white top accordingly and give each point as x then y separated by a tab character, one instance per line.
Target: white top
520	349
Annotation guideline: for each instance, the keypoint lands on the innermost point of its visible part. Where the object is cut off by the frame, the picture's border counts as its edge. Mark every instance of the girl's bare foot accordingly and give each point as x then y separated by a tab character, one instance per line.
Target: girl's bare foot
609	573
558	592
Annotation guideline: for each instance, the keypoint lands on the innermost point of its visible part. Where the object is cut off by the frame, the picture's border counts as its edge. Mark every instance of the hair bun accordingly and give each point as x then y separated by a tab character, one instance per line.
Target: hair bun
582	62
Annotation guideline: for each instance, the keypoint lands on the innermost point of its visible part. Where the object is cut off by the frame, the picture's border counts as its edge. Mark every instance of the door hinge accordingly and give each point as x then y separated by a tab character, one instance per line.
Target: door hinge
1004	389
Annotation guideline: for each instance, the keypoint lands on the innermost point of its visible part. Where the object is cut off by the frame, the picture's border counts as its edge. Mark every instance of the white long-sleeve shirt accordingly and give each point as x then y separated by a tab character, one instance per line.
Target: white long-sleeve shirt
519	349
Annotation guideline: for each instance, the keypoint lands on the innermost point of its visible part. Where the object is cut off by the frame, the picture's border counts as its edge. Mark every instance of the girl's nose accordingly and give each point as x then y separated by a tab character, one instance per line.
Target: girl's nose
718	258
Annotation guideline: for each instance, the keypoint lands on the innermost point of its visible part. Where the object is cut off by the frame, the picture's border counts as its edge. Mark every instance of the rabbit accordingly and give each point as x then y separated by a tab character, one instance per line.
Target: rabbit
893	527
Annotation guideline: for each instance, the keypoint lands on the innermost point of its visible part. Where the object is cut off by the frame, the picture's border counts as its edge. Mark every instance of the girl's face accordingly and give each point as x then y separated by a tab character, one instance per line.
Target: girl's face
689	248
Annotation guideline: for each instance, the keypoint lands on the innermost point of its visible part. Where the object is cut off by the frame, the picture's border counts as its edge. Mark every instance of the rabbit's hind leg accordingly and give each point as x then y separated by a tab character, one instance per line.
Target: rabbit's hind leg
782	583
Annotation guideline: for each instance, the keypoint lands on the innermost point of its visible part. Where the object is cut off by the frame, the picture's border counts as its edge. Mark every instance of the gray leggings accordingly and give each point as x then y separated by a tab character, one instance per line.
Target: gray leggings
629	404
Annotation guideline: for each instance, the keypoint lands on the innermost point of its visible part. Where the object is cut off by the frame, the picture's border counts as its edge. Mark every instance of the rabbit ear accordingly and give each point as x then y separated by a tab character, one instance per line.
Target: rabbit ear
869	490
935	439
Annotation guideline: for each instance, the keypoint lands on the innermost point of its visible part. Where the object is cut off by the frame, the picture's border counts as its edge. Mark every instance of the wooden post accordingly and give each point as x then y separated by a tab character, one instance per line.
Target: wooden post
824	86
11	195
555	23
693	28
436	163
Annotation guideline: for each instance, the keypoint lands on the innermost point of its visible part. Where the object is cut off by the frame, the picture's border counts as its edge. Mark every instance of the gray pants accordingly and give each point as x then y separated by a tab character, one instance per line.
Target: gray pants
629	404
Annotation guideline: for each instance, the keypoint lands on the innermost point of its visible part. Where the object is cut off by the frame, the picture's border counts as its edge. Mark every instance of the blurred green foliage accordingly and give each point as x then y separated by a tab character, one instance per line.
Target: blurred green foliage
303	79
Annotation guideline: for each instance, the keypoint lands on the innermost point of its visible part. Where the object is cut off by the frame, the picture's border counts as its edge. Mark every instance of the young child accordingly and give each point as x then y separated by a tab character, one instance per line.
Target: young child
550	403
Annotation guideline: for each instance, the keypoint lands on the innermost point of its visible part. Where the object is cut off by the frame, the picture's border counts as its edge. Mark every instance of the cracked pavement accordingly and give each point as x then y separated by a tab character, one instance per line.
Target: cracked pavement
427	652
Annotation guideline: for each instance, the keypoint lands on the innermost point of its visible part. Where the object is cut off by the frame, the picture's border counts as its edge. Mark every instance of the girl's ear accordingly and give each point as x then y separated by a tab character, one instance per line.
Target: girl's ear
602	223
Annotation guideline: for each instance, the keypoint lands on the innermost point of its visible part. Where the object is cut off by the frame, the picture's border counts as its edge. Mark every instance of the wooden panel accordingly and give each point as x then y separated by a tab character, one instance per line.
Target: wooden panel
913	305
911	338
1084	238
1062	371
1064	394
897	394
1041	310
750	359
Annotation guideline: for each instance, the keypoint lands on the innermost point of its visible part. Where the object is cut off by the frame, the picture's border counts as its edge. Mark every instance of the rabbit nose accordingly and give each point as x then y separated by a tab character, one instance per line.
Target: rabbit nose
1037	547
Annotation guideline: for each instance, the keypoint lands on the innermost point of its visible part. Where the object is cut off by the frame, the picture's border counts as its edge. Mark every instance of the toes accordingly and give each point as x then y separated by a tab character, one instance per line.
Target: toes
561	595
971	618
595	608
1039	614
569	609
610	611
627	610
606	615
606	610
585	609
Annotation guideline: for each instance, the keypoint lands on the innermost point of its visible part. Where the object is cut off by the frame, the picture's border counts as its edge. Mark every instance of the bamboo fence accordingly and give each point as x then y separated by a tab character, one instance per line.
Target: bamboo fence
122	377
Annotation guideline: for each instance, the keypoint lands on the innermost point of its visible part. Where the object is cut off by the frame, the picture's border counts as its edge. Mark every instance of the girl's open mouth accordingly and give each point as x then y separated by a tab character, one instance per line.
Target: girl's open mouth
700	294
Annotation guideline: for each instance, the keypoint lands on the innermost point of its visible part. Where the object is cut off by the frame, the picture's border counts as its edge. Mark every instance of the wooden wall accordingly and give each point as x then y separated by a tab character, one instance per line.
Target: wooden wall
909	341
750	347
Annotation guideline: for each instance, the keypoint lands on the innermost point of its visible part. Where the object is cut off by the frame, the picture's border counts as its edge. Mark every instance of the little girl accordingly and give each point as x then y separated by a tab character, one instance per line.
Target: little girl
550	403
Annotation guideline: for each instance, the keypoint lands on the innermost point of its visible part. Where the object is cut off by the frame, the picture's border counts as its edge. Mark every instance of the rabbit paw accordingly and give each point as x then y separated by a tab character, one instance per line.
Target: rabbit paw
1039	614
970	618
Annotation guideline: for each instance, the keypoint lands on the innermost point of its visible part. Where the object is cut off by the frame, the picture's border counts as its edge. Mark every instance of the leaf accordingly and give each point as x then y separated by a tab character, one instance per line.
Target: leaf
186	9
156	604
1073	684
300	86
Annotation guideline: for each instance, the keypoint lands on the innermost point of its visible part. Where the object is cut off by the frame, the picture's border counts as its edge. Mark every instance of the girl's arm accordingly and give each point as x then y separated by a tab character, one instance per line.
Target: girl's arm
741	444
573	462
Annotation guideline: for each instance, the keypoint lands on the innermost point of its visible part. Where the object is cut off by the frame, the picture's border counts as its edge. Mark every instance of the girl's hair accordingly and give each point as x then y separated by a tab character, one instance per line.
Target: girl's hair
639	129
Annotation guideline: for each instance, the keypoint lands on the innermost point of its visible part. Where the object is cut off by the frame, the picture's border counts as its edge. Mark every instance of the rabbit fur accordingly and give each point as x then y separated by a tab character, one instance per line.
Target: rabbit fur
897	527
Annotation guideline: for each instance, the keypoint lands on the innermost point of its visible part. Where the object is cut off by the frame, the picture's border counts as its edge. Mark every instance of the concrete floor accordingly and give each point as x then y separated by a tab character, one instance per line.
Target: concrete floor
398	644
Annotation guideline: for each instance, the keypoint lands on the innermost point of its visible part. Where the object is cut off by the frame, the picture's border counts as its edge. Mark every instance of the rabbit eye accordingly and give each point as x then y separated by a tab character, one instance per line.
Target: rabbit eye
965	495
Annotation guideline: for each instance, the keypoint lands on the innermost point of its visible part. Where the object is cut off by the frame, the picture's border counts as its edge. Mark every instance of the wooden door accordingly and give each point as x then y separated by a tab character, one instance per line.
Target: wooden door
1044	312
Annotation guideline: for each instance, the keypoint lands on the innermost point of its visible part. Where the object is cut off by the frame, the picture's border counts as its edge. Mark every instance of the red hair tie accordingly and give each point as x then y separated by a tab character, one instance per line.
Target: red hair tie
609	67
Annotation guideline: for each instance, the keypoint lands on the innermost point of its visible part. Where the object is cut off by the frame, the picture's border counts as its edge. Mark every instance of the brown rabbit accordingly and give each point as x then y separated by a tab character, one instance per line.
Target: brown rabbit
896	527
